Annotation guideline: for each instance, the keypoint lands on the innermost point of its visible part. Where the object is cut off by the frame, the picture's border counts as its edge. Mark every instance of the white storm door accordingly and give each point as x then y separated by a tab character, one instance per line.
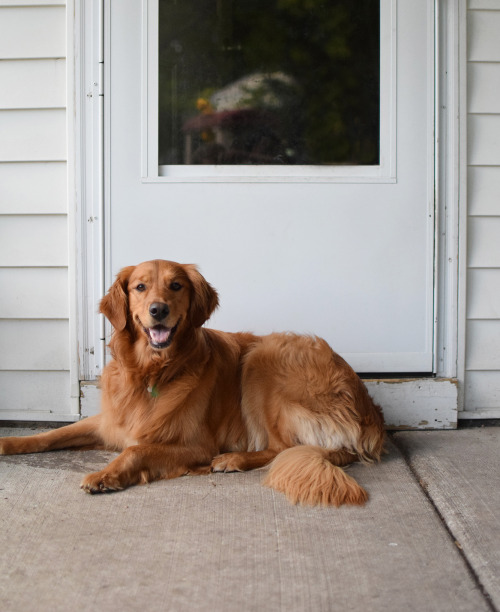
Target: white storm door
303	222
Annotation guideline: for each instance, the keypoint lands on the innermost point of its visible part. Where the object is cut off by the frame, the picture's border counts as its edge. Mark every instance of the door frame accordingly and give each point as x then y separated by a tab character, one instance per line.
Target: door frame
434	401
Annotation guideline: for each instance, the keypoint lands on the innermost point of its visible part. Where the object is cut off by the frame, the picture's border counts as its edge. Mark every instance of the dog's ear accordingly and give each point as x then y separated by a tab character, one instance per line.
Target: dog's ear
114	305
204	298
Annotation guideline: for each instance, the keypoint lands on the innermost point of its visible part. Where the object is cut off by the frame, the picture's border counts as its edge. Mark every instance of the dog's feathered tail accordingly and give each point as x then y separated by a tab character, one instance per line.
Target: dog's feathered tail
306	476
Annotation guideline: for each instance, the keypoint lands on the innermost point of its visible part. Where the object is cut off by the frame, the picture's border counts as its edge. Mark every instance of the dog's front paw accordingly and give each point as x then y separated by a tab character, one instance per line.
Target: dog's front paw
11	446
101	482
5	447
228	462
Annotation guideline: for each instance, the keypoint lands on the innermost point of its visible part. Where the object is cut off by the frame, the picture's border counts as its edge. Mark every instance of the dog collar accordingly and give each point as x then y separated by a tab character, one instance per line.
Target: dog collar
153	391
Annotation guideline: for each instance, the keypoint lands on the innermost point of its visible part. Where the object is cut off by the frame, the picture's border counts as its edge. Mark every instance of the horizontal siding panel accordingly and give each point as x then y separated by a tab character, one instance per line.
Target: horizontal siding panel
483	187
33	83
33	188
34	293
483	294
483	345
34	344
32	32
484	4
482	40
483	88
33	241
34	391
483	242
482	390
32	2
32	135
483	140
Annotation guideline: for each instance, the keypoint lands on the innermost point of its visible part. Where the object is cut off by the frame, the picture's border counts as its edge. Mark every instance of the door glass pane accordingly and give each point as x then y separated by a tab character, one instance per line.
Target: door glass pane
269	82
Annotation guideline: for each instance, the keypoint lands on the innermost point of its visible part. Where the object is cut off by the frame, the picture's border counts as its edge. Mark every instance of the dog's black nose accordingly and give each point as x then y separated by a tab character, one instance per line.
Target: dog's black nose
158	310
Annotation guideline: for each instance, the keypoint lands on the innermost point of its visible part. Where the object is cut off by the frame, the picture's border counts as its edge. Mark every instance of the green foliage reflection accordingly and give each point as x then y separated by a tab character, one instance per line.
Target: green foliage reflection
269	81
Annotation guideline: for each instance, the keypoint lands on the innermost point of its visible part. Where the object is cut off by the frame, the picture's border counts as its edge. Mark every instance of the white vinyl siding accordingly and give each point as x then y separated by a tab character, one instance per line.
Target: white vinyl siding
17	195
482	362
483	188
24	84
40	395
483	294
35	293
34	308
33	135
34	344
28	32
33	240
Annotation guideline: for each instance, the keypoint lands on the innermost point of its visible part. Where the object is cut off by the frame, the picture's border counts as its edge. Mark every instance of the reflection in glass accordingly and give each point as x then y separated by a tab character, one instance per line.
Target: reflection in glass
269	82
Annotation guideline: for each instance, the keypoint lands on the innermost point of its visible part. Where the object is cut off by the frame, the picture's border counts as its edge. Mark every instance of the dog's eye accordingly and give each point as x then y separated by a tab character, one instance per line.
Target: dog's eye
175	286
141	287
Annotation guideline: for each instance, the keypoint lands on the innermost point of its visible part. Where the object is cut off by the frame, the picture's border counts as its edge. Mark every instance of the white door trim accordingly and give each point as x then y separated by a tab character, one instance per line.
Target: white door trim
89	195
451	177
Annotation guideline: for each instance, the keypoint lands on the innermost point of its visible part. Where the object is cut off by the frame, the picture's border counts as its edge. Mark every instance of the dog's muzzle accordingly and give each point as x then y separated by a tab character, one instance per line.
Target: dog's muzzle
160	336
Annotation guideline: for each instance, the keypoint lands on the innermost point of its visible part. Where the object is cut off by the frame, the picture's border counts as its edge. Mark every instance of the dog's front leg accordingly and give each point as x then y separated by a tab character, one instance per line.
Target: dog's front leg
243	461
81	434
144	463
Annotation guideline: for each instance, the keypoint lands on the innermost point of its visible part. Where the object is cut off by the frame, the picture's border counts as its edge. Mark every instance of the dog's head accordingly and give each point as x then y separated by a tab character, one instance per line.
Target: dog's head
159	298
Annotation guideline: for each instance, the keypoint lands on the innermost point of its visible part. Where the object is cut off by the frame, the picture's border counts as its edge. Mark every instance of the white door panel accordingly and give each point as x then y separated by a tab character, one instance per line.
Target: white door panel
350	261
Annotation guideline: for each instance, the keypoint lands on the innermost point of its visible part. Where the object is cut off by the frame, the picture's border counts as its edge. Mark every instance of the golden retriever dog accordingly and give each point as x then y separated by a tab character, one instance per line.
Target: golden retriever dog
178	398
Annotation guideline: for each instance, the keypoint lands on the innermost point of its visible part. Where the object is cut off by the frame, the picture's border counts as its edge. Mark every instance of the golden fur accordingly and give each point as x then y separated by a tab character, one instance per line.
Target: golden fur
178	398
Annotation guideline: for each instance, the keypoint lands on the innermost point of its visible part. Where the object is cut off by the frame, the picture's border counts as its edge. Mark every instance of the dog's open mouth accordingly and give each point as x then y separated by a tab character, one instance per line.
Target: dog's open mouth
160	336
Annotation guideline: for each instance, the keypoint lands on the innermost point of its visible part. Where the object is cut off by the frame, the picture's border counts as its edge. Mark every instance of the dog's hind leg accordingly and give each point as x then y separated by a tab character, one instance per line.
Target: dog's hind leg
77	435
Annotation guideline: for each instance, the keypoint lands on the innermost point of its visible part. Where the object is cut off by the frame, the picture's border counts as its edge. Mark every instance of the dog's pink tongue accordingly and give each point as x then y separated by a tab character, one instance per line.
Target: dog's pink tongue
159	334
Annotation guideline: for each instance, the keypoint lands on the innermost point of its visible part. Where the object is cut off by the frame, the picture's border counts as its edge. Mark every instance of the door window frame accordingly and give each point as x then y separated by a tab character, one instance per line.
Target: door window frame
385	172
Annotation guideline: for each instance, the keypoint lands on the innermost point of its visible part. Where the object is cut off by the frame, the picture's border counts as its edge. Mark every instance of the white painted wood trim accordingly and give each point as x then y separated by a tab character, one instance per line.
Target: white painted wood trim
38	415
72	74
432	403
462	205
90	399
149	94
83	150
101	174
105	262
91	193
450	189
19	3
493	413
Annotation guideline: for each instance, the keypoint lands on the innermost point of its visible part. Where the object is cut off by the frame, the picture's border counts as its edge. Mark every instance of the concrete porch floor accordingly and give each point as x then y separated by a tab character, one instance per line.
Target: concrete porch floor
428	539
